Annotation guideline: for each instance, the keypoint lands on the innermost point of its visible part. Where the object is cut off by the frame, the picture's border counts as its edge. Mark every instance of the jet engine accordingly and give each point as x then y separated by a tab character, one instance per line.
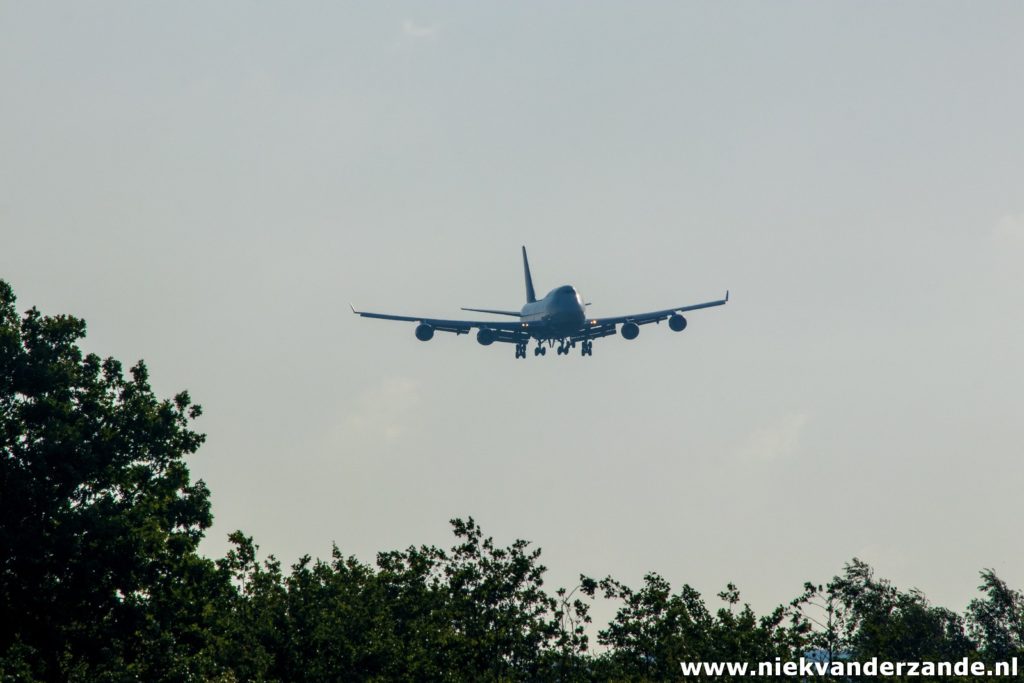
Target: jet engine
629	330
486	337
424	332
677	323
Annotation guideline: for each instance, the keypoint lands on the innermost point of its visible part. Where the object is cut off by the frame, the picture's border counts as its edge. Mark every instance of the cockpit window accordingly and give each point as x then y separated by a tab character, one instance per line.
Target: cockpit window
567	290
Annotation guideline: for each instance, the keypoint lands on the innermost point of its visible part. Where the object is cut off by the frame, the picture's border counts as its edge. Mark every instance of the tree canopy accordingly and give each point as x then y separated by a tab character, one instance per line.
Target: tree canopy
102	579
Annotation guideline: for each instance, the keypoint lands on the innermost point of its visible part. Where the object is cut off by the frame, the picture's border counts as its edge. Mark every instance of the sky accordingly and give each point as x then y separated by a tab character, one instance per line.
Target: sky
209	185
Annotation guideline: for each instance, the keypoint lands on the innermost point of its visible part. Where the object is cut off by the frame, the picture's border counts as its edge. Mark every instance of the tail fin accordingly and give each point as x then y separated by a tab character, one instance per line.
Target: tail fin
531	296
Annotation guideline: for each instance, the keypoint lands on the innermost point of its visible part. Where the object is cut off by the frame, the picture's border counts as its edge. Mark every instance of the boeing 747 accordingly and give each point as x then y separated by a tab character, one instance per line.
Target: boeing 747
560	317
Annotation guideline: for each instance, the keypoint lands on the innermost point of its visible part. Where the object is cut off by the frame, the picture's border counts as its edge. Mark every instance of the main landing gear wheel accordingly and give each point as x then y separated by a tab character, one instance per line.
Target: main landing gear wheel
540	350
587	348
521	350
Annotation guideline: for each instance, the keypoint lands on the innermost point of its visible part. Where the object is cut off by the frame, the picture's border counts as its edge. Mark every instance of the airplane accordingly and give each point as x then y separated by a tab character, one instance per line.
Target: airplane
559	317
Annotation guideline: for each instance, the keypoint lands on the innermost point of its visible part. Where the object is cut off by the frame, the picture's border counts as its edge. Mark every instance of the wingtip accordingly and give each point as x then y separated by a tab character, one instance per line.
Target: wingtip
727	295
353	309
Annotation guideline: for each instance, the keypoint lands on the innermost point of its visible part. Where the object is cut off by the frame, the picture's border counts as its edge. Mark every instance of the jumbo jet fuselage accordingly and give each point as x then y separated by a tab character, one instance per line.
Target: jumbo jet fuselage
560	313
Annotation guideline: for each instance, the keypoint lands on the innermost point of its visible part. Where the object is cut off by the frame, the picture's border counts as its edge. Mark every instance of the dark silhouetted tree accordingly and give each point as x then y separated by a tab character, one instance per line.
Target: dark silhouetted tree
655	629
99	521
100	579
996	622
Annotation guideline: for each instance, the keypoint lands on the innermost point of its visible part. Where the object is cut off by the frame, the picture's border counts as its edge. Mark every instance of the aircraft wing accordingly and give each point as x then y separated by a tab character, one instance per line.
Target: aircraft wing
652	316
507	331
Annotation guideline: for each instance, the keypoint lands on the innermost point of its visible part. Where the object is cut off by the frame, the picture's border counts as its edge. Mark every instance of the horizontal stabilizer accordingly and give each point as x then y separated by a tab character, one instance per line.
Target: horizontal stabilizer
491	310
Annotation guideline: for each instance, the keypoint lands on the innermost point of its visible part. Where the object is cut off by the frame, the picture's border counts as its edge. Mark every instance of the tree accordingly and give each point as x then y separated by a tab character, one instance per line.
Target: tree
100	578
857	617
476	612
99	520
654	630
997	621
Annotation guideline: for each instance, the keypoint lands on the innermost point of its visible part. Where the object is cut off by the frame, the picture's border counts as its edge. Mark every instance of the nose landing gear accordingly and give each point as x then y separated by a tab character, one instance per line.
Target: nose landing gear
566	345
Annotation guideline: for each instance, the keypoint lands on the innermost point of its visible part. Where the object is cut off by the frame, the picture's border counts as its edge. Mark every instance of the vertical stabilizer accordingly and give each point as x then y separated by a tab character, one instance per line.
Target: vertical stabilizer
531	296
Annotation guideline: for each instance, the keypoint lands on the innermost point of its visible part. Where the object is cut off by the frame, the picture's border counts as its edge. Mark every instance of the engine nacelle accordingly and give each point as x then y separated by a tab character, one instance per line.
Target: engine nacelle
486	337
424	332
677	323
629	330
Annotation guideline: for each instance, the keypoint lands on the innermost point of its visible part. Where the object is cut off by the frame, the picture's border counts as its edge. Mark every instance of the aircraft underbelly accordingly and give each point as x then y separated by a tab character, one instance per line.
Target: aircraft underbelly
562	324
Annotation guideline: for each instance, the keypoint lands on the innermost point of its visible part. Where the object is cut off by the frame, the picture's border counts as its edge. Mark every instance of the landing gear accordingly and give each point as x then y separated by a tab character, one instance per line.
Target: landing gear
563	348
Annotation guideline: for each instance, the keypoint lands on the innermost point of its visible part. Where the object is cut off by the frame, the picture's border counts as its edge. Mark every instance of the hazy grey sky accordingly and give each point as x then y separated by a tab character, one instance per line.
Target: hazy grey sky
210	184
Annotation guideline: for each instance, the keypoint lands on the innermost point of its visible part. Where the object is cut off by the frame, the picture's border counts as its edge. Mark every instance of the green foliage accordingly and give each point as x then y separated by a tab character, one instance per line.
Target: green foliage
870	617
101	580
996	622
476	612
655	629
99	521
